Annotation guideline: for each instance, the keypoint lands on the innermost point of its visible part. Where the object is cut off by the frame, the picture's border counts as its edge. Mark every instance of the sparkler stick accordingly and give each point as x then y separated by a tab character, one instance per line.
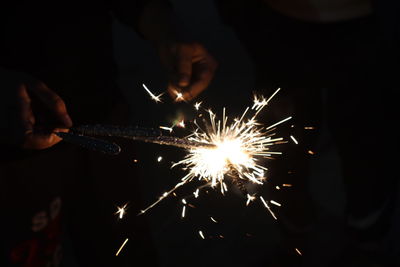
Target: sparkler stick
116	131
90	143
139	134
240	183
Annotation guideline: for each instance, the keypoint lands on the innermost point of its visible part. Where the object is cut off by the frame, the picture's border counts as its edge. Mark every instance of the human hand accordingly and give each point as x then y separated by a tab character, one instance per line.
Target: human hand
31	112
190	68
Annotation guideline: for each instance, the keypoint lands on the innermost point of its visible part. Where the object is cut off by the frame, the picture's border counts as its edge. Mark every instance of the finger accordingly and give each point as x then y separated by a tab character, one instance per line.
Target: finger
25	109
54	103
37	140
203	73
183	66
42	140
57	130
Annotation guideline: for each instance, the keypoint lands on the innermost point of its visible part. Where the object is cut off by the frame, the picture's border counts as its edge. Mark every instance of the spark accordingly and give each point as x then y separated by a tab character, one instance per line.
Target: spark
287	185
169	129
197	105
159	159
122	246
250	198
154	97
184	201
183	211
275	203
310	152
279	122
201	234
298	251
179	96
181	124
196	193
294	140
277	187
121	211
268	208
309	128
212	219
232	149
259	103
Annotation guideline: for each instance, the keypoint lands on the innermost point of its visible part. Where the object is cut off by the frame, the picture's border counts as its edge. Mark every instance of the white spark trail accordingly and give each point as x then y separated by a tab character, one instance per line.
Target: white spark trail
154	97
268	208
122	246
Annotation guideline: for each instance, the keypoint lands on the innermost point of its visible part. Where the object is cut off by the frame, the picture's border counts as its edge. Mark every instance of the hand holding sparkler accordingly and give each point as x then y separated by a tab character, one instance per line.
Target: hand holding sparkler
32	112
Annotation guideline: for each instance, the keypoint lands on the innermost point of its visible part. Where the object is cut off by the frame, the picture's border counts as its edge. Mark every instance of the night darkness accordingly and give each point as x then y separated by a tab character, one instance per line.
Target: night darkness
338	79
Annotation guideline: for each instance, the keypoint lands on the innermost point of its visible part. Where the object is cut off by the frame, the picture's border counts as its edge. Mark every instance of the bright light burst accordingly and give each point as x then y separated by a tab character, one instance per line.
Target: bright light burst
236	149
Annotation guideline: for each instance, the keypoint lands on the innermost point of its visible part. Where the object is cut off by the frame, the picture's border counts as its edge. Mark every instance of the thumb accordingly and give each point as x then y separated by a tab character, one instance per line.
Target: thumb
54	102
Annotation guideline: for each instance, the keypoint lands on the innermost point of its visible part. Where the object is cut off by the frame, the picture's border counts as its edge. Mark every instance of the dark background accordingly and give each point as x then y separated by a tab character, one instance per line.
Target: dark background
251	237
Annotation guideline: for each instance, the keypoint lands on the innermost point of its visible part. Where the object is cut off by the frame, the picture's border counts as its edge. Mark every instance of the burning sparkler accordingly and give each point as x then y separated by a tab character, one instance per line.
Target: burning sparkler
219	150
231	149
